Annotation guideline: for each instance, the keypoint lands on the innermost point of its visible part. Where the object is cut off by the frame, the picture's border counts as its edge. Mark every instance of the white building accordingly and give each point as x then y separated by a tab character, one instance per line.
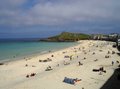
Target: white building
118	42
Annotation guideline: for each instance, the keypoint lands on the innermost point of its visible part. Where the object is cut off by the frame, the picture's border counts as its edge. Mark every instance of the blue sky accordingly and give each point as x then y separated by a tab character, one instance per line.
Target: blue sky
43	18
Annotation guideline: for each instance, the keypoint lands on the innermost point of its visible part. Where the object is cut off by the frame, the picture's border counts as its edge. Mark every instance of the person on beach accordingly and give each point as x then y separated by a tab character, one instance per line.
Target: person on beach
77	56
101	69
26	65
70	57
57	65
27	76
112	63
117	62
80	63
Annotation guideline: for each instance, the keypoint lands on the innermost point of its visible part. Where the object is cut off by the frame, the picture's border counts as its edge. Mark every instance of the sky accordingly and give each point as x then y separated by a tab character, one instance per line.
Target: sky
44	18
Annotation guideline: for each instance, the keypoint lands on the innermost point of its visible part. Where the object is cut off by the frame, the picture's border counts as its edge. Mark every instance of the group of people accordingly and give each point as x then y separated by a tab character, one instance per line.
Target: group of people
114	62
31	75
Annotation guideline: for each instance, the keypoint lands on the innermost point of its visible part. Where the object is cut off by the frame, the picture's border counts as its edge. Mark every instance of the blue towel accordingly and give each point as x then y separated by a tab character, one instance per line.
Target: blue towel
69	80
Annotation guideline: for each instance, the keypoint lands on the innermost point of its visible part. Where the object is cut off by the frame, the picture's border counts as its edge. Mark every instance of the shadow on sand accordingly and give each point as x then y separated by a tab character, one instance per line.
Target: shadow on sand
113	82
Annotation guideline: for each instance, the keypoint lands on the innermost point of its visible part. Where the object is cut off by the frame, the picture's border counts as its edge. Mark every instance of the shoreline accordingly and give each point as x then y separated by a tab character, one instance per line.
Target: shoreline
36	54
91	55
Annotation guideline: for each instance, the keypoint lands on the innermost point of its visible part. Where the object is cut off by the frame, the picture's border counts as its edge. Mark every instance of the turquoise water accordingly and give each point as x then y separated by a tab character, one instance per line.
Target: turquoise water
15	50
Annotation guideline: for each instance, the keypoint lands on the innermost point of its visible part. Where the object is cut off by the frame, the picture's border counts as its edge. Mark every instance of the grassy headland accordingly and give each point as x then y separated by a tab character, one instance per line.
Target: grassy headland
67	37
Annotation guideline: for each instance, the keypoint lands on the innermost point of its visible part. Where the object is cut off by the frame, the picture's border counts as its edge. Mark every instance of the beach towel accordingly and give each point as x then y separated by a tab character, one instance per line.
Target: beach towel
69	80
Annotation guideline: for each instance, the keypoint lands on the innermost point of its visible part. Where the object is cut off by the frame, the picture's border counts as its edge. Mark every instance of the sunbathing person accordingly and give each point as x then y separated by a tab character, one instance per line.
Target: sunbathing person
48	68
27	76
33	74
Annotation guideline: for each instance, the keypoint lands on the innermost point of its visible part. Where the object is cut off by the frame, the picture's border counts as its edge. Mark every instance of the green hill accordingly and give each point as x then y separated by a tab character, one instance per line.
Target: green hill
67	37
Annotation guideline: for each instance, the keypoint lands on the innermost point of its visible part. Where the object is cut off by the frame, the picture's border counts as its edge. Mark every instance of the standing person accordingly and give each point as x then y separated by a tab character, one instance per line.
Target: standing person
70	57
79	63
77	56
112	63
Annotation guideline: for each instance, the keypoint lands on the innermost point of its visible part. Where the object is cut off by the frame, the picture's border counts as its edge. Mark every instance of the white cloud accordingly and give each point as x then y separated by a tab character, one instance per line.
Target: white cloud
55	12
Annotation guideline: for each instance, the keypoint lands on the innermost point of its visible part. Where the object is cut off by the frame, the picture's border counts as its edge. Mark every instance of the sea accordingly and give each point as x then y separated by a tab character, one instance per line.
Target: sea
16	49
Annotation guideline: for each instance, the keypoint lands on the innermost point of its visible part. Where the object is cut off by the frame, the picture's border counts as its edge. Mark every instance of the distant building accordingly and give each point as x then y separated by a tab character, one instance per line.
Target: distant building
99	37
113	37
118	42
118	36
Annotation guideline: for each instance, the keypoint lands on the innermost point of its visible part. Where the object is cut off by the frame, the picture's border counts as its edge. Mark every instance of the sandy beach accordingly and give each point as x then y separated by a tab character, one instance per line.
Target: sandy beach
49	70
